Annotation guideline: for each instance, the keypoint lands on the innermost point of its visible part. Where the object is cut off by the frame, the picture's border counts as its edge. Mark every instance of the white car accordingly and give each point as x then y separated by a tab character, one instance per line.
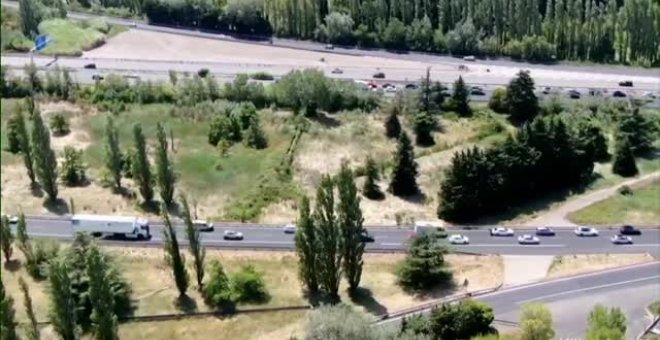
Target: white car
202	225
621	239
458	239
12	219
289	228
528	239
498	231
469	58
232	235
586	231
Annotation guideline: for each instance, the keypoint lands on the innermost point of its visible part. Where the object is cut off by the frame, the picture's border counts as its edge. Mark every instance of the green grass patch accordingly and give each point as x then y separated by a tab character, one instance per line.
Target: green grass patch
70	38
639	208
655	308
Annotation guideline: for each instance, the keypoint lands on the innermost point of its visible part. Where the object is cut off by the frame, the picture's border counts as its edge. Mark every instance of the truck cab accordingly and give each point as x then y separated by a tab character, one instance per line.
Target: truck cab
431	228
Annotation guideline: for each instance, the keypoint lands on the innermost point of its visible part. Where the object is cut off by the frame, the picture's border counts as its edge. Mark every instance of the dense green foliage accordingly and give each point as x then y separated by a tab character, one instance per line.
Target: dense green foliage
44	157
460	98
140	165
249	286
329	239
59	124
370	188
13	133
6	238
424	267
523	103
606	324
536	323
32	329
635	127
403	180
195	246
543	156
392	124
113	155
350	220
7	313
305	240
63	306
624	161
173	255
165	176
217	290
73	169
463	320
101	296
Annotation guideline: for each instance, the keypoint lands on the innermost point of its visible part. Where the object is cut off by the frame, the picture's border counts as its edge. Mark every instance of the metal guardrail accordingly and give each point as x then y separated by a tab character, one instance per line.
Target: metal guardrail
651	326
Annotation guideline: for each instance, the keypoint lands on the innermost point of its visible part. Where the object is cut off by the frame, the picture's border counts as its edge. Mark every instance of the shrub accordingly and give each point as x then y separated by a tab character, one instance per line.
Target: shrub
39	253
498	102
73	169
248	286
625	191
262	76
217	290
59	124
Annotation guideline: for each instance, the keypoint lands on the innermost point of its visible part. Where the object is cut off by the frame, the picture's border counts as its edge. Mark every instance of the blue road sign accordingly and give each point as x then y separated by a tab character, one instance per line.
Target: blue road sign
41	42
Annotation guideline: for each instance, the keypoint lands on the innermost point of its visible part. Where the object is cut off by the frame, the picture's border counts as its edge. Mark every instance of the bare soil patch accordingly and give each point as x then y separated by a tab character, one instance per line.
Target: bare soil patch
578	264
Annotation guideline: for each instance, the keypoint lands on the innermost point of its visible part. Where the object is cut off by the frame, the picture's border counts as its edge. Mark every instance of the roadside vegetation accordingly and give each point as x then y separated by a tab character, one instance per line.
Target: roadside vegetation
632	206
566	265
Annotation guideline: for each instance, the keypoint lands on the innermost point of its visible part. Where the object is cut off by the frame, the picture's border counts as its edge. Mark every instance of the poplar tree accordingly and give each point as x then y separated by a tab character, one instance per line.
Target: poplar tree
62	302
306	241
113	156
349	218
195	246
6	239
26	148
44	157
100	293
140	167
164	170
403	180
7	313
329	246
173	255
31	329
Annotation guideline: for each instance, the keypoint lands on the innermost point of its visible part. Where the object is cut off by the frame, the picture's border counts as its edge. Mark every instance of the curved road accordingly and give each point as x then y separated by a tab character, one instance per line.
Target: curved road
394	239
571	299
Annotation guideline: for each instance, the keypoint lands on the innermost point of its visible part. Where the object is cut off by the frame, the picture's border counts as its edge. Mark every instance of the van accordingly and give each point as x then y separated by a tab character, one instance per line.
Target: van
469	58
434	229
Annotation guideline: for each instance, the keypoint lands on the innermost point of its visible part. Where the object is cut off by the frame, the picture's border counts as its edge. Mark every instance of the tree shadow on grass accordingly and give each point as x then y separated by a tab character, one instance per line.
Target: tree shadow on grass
364	297
57	206
326	120
418	198
186	304
319	299
152	207
12	265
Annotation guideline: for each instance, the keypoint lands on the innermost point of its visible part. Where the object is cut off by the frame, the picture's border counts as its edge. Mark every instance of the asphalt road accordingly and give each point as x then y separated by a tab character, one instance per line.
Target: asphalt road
571	299
259	236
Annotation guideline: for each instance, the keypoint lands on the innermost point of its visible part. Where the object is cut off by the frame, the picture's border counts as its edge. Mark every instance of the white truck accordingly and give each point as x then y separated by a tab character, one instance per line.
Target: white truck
432	228
130	227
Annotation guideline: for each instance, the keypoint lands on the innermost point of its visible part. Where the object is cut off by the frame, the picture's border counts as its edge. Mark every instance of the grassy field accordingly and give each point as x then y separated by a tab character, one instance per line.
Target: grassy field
154	291
69	38
639	208
577	264
655	308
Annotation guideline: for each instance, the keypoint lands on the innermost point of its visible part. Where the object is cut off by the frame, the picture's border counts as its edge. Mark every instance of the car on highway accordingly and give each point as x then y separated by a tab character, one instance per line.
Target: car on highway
619	94
365	237
621	239
232	235
626	83
431	228
544	231
469	58
411	86
499	231
329	47
91	66
11	218
547	90
379	75
528	239
97	77
629	230
586	231
289	228
458	239
202	225
134	24
477	91
337	70
574	94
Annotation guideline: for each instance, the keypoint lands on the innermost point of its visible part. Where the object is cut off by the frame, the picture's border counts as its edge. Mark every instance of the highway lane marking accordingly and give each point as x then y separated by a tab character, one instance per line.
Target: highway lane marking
587	289
390	244
512	245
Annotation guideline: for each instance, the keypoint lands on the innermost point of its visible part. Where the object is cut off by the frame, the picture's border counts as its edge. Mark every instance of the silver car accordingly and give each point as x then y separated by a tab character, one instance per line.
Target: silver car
622	239
232	235
528	239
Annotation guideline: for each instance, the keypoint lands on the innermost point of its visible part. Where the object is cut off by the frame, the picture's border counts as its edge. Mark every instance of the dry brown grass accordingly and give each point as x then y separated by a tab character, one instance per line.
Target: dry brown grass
577	264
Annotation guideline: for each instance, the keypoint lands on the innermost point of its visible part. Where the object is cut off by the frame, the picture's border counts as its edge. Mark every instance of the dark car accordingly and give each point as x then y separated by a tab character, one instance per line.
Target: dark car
411	86
366	238
545	231
477	91
573	94
619	94
379	75
629	230
90	66
626	83
97	77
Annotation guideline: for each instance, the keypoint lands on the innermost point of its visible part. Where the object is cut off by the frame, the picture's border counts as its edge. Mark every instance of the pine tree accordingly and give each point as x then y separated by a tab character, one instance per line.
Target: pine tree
460	98
329	246
164	170
6	239
32	329
306	242
523	103
195	246
101	296
392	124
30	17
26	148
255	136
13	133
7	313
424	125
141	168
62	302
403	182
44	157
370	189
624	161
425	101
113	156
173	255
637	129
349	218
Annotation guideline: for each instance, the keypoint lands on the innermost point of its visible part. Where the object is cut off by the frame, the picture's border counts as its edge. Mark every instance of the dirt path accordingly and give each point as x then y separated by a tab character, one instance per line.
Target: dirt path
557	217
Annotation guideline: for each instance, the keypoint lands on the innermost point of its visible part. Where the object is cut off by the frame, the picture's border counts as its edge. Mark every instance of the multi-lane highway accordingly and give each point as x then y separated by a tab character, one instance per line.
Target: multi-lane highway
571	299
393	239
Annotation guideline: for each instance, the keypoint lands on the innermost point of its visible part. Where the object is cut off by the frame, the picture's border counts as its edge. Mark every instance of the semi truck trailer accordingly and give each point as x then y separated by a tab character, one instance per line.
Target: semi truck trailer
129	227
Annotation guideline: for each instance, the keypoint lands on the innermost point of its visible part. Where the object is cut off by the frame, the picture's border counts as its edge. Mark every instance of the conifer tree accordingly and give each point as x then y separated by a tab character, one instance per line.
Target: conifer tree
370	188
624	161
460	98
403	180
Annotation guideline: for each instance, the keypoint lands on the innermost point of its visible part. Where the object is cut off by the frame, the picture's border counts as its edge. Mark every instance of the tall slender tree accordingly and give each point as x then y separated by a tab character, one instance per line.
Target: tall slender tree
460	98
624	161
195	246
101	296
31	329
349	218
306	241
26	148
523	103
7	313
62	302
164	170
113	156
44	157
22	236
6	239
329	246
403	181
140	166
370	188
173	254
392	124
